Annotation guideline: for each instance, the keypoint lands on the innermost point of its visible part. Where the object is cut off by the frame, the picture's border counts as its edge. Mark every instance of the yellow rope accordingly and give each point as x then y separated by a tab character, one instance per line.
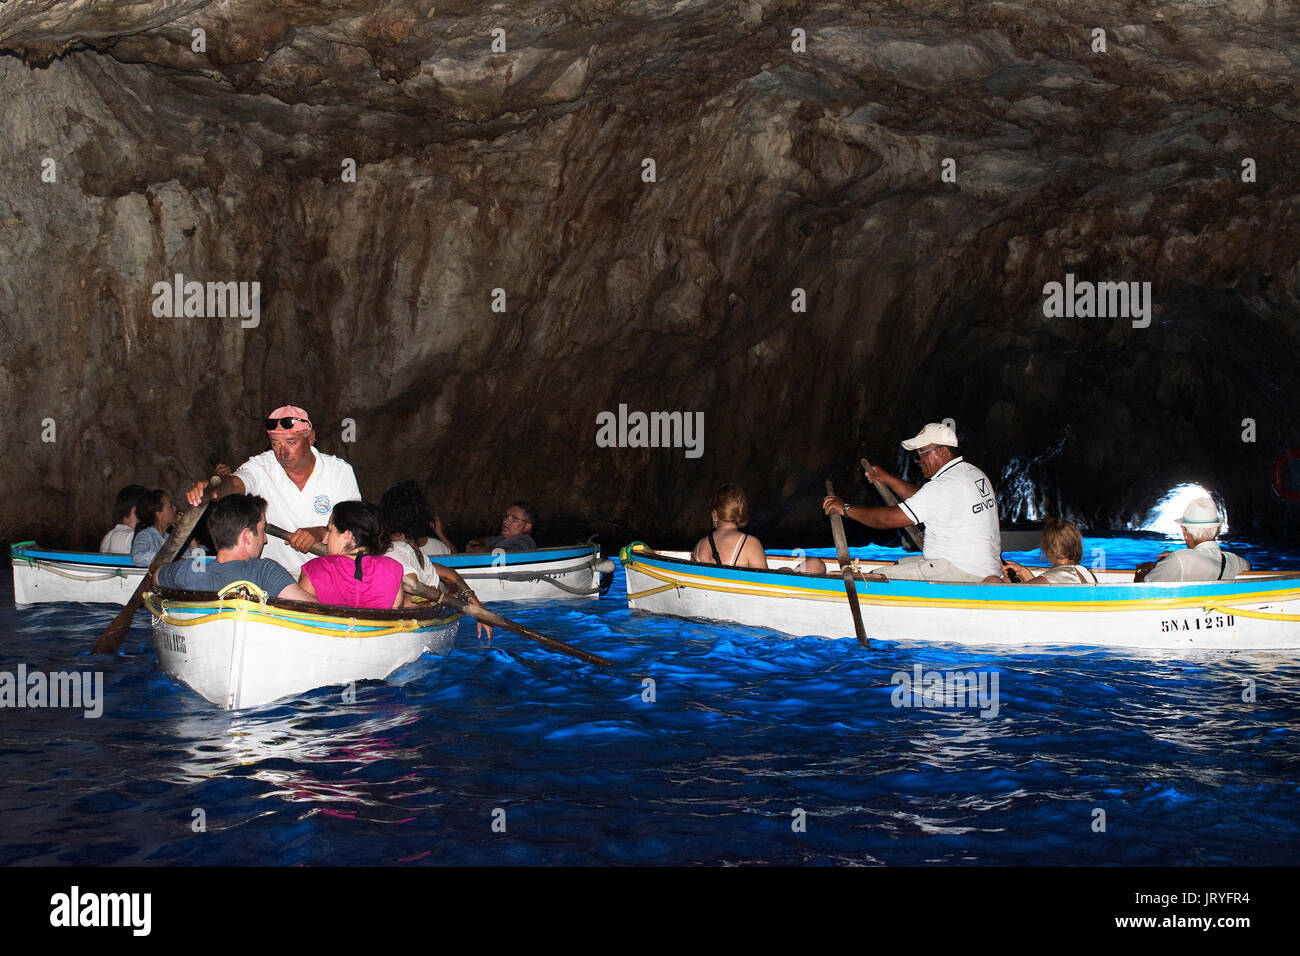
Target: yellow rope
674	583
243	611
1261	615
649	591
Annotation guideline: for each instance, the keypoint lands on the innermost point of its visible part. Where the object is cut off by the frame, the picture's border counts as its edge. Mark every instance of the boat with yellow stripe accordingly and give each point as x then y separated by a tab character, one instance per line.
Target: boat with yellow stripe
240	648
1260	610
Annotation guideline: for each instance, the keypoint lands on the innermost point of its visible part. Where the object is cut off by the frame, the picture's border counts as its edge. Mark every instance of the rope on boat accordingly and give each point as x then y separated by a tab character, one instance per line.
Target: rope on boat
673	583
649	591
1262	615
236	613
526	576
108	576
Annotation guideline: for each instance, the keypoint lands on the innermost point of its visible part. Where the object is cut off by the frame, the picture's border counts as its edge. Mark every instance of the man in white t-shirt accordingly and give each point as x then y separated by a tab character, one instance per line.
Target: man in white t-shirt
300	484
1203	560
957	505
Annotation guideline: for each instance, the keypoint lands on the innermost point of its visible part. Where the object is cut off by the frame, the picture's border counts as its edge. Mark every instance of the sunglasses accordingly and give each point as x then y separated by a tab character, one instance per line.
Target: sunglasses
285	423
924	451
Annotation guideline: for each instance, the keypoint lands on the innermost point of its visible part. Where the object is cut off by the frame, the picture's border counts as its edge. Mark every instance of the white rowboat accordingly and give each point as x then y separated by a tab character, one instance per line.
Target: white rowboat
43	575
1257	611
238	649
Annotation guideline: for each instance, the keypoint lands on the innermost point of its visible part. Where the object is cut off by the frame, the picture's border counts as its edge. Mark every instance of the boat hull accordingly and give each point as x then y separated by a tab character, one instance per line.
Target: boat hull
240	653
42	576
547	574
1115	613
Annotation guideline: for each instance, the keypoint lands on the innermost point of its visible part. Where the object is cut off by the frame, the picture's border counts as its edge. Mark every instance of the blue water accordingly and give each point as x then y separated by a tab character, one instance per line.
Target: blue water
747	726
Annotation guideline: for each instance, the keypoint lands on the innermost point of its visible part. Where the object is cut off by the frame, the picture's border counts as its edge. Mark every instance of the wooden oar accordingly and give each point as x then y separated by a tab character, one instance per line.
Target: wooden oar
478	613
846	572
891	501
115	633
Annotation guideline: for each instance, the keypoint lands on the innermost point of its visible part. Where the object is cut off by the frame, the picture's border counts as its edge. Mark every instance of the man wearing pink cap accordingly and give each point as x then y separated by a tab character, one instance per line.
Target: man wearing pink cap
300	484
957	505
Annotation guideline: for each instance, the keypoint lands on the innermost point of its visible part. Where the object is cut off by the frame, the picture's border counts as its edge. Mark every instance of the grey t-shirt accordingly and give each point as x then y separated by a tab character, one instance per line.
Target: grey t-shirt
215	575
514	542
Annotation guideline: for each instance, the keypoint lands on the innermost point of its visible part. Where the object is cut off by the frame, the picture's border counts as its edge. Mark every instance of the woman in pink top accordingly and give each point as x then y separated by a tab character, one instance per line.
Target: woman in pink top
354	573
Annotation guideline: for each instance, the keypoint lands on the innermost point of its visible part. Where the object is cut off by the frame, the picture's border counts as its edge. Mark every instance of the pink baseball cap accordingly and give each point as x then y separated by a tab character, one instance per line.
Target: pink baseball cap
288	418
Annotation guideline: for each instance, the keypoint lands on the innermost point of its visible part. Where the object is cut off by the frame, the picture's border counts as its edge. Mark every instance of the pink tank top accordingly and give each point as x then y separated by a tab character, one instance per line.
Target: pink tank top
333	576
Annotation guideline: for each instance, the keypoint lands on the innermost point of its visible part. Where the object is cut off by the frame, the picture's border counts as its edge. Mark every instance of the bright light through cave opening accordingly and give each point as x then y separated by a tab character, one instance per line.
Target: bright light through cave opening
1161	518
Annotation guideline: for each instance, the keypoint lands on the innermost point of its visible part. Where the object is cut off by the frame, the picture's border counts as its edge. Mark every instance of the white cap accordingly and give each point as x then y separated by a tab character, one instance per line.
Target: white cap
932	434
1200	513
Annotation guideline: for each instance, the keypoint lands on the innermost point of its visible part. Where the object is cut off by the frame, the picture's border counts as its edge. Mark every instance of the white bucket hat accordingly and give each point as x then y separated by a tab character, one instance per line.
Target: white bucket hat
934	433
1200	514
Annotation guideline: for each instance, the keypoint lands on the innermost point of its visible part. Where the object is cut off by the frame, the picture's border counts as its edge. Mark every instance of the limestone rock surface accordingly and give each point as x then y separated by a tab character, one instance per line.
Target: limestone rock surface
795	146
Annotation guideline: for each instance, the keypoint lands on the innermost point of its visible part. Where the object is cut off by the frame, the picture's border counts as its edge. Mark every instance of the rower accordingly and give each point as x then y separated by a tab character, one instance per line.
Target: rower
957	506
301	485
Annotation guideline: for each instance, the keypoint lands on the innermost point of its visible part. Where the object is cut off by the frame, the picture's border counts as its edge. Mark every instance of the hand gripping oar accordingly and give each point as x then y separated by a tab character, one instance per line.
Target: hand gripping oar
114	634
891	501
850	588
478	613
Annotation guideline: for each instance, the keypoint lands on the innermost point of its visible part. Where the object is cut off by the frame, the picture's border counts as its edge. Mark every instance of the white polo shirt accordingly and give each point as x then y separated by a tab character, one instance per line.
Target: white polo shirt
960	512
1201	563
288	507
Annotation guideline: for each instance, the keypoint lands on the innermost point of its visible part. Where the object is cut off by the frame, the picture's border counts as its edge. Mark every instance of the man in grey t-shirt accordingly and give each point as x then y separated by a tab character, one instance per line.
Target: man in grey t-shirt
516	530
237	524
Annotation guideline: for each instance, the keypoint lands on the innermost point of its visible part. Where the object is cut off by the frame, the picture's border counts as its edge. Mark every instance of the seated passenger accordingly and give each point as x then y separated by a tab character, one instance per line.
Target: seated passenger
154	514
516	528
1203	560
405	515
439	543
118	541
811	565
1062	548
355	573
729	513
237	524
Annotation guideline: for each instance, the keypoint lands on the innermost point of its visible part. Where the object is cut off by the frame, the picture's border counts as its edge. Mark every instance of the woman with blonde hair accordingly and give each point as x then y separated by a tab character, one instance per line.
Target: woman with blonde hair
729	513
1062	547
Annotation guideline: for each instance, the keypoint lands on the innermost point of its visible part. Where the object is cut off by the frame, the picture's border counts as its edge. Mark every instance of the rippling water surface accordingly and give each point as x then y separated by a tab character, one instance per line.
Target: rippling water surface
746	727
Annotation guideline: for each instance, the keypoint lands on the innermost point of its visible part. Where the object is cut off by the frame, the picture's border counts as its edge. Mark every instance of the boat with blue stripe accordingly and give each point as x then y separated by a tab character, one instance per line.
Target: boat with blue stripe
1260	610
43	575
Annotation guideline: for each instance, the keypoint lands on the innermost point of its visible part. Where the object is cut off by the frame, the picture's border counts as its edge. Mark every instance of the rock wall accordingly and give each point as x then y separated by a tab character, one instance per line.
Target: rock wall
794	146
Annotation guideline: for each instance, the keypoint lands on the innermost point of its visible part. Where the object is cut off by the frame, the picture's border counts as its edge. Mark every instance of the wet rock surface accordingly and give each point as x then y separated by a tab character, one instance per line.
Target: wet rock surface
775	169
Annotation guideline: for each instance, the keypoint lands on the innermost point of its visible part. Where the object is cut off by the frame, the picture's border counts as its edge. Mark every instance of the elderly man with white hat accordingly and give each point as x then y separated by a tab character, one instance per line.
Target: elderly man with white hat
957	505
300	484
1203	560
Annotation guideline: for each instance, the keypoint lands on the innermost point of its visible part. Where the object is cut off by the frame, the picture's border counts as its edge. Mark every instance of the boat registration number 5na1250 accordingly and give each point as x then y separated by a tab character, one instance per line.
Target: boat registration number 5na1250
1206	622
